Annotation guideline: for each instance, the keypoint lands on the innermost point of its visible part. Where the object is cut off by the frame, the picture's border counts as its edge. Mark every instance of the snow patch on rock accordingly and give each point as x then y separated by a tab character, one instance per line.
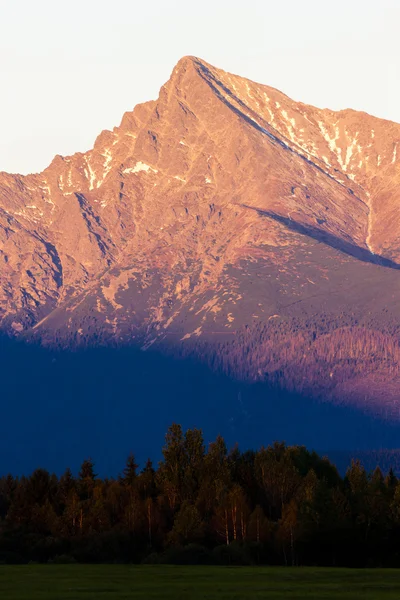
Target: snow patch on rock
140	166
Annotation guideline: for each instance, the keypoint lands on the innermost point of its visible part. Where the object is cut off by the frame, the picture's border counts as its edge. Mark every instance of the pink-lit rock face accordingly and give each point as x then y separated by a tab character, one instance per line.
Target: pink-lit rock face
221	205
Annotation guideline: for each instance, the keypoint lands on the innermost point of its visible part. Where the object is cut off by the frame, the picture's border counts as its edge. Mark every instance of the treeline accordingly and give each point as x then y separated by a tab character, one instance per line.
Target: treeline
324	356
279	505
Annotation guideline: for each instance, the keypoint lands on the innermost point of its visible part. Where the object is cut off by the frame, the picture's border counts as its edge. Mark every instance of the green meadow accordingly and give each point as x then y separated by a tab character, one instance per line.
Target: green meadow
119	582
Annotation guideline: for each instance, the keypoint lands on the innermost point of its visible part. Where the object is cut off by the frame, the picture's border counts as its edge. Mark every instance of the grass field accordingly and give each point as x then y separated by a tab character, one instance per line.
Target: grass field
115	582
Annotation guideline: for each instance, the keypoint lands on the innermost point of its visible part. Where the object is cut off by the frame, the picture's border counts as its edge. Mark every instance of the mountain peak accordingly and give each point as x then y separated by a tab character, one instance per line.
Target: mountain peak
187	61
221	208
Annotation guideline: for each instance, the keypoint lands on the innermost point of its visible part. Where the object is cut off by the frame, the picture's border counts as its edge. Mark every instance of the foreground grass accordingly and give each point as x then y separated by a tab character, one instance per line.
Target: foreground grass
116	582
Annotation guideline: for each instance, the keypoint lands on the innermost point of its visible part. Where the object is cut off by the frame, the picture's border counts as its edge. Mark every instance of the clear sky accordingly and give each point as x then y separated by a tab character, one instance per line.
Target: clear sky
70	69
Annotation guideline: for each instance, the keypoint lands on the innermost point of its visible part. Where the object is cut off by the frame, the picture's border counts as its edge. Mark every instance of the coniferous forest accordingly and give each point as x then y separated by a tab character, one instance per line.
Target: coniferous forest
280	505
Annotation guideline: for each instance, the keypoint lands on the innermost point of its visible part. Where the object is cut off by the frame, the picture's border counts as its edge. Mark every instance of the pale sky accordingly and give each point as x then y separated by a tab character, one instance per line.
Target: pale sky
71	69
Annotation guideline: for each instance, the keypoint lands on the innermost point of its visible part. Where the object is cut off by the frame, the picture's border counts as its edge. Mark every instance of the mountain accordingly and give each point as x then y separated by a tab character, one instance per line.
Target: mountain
222	223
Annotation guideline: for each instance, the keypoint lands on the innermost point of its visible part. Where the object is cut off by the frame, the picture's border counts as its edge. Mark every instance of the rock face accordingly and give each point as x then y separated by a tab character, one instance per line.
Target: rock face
225	220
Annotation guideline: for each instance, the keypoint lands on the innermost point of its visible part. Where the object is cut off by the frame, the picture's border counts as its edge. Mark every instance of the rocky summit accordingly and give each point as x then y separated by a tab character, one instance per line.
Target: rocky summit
223	221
